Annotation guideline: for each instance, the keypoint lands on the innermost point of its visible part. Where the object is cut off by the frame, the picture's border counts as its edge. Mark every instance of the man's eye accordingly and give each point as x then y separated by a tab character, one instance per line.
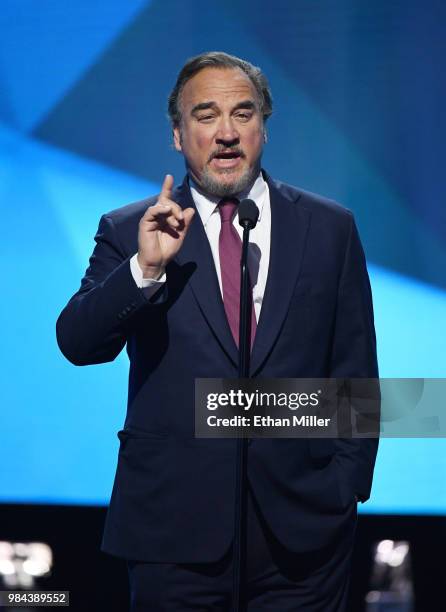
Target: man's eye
205	118
244	116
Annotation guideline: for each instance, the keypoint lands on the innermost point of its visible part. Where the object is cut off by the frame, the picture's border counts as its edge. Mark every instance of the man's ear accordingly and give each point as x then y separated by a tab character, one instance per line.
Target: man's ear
177	139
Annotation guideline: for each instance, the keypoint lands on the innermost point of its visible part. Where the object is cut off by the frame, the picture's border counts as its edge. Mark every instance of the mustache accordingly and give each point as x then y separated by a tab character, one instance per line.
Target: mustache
233	150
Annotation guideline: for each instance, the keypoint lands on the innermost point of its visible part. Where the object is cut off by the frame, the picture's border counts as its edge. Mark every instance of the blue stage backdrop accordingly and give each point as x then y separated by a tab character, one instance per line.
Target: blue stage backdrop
359	92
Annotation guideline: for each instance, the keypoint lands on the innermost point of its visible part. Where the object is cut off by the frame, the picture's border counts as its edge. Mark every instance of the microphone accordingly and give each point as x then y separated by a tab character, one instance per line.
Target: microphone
248	214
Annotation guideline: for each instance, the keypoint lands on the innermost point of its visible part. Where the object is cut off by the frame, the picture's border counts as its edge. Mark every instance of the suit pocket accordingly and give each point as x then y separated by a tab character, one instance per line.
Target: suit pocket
345	487
323	454
131	432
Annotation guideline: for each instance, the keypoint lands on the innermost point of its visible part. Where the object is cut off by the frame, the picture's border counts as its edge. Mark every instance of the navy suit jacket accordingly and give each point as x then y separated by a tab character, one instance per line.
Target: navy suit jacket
173	495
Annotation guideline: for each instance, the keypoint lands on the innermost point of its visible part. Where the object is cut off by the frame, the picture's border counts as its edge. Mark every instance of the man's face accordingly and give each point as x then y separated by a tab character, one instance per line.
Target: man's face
221	133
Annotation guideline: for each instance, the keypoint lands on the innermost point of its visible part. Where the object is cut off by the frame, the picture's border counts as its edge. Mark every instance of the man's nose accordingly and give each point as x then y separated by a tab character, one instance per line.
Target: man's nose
226	133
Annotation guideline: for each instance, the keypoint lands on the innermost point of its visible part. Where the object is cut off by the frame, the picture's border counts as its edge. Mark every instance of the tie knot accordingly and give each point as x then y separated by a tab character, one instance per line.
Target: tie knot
227	208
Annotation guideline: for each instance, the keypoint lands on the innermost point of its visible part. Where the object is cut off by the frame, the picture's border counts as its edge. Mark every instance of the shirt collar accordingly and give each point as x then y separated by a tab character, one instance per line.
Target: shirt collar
207	204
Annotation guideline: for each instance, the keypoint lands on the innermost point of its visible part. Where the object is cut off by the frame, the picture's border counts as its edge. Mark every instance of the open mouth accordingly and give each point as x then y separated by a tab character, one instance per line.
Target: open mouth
226	159
227	155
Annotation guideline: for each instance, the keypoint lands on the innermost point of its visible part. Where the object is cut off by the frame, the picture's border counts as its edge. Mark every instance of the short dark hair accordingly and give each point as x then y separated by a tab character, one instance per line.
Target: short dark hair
218	59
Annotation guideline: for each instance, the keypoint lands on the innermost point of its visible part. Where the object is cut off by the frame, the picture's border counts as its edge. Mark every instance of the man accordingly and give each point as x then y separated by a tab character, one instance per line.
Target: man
159	283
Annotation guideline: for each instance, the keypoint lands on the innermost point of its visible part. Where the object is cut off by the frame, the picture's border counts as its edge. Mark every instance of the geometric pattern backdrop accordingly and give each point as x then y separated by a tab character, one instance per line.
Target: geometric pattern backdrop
359	96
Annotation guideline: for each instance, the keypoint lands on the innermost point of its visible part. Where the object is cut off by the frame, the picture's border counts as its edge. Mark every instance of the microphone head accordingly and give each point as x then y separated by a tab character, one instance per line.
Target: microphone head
248	213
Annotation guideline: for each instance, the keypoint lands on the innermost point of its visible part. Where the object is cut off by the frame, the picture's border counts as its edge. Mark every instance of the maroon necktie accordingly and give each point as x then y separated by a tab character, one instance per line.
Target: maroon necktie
230	249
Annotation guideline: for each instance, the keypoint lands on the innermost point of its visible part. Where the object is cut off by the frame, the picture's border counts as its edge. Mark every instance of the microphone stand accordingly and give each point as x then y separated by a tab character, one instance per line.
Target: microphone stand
240	527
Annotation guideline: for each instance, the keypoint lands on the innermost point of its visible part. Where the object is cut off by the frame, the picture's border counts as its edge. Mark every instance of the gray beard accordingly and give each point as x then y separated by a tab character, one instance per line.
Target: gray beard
211	185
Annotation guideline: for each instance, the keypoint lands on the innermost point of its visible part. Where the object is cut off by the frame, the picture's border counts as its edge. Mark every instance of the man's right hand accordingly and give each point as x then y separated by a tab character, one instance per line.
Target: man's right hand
162	230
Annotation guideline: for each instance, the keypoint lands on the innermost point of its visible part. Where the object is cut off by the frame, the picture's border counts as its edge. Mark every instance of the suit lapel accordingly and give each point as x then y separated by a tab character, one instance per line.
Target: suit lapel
289	228
204	280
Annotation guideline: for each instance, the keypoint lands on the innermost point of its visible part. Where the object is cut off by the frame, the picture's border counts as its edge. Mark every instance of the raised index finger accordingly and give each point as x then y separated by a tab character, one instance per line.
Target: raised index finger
166	189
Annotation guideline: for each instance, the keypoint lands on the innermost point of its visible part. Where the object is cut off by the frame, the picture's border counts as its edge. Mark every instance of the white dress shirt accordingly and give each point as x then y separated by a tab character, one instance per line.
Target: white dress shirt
259	240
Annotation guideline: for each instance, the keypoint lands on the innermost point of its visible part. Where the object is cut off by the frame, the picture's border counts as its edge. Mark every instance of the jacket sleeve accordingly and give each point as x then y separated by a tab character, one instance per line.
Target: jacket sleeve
354	356
92	326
